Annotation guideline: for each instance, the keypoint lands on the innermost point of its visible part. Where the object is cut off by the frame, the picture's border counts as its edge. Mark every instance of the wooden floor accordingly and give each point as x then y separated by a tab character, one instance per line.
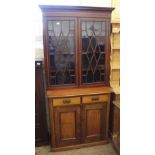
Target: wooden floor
95	150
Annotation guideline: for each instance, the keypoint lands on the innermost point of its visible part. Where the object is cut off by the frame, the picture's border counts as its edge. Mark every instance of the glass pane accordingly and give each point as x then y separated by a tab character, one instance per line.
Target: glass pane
71	25
83	26
50	25
71	43
61	52
89	27
93	51
65	28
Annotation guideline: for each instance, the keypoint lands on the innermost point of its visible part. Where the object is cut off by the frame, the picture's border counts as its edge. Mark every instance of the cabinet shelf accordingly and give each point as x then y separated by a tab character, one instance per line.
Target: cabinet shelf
115	48
55	76
92	53
115	66
52	53
116	31
87	75
70	70
88	70
84	37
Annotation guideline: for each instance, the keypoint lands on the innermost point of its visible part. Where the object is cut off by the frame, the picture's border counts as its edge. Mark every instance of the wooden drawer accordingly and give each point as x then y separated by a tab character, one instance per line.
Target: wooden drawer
66	101
95	98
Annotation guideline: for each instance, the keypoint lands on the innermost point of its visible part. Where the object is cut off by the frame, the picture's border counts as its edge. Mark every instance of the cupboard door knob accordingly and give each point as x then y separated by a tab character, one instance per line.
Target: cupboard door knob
66	101
95	99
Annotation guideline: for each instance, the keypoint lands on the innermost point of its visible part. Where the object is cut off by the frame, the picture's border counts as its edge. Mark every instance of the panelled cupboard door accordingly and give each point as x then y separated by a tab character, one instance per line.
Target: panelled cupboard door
67	125
94	122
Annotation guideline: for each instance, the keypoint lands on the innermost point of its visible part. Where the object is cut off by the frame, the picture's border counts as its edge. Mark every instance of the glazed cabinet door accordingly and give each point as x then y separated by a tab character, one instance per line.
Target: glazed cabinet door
94	122
61	51
94	51
67	125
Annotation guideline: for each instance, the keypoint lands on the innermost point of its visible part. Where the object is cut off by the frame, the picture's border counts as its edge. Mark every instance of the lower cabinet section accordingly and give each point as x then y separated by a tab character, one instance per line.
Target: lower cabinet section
75	123
67	125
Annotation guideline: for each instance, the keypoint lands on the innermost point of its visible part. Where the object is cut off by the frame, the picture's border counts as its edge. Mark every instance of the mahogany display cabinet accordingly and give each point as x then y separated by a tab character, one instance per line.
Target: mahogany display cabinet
77	54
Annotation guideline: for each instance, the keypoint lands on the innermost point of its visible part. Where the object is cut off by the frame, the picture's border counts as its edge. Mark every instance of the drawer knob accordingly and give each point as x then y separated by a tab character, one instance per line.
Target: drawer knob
95	99
66	101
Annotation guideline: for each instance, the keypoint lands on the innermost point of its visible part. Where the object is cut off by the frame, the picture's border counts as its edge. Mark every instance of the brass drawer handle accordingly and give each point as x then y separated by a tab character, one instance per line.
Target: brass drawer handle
66	101
95	99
